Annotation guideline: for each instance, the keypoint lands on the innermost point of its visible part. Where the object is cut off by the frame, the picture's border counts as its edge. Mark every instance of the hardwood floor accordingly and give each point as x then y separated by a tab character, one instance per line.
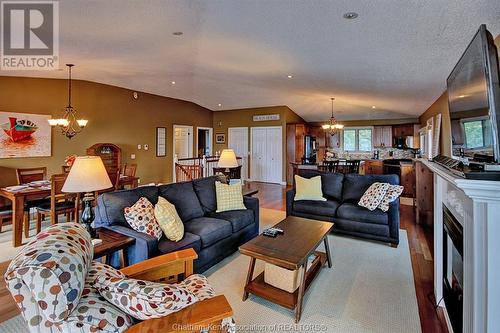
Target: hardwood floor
420	242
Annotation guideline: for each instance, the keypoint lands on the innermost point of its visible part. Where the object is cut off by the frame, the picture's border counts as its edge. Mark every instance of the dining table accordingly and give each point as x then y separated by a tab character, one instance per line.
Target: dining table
18	199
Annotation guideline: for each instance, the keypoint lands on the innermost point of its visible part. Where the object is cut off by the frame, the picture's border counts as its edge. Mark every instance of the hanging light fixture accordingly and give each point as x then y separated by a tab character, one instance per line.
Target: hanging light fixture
332	126
69	124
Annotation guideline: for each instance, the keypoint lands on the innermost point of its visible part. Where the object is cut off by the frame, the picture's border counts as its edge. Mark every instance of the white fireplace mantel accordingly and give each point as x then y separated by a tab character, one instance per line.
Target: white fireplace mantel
476	204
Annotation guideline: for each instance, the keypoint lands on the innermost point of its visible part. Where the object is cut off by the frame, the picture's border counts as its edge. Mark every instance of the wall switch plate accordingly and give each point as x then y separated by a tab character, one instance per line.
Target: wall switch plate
146	147
139	147
132	156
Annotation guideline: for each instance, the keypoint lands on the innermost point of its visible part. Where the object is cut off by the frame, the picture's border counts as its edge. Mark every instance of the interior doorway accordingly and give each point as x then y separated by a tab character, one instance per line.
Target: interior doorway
183	143
204	141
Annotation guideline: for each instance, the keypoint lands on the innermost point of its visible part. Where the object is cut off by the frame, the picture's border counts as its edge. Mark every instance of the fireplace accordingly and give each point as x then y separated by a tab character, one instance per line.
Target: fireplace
453	269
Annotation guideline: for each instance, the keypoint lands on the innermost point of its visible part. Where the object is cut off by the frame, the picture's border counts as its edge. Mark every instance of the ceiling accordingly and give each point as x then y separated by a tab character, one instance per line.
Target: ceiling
395	56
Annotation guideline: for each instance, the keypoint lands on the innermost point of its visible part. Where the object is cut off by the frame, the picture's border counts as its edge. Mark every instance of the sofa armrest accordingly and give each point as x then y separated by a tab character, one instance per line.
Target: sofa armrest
393	214
145	246
290	195
253	204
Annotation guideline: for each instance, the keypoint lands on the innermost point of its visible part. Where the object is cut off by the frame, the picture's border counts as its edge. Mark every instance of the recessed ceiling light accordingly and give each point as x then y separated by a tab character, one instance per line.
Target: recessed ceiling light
173	82
374	107
350	15
177	33
289	76
219	105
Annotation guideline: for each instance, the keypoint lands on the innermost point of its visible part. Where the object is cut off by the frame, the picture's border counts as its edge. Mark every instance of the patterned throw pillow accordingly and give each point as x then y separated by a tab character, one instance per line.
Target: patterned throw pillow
229	197
308	189
373	195
168	219
143	299
141	217
393	192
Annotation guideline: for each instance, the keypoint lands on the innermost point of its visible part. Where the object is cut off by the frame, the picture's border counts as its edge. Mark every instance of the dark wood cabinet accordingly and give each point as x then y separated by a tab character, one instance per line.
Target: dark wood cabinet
321	146
373	167
294	147
424	192
408	179
402	130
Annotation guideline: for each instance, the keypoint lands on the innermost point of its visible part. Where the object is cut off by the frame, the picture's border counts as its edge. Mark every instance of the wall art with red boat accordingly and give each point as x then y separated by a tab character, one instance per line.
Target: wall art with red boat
24	135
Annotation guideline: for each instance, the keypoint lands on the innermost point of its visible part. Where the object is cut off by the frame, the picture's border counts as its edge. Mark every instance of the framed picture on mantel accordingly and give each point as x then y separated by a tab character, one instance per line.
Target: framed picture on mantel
25	135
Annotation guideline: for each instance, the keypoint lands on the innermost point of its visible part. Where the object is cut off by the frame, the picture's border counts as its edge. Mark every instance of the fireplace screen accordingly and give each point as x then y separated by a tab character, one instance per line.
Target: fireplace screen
453	280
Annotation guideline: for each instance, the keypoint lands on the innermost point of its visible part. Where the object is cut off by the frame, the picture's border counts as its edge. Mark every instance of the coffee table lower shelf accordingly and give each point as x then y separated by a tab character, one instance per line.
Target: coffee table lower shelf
288	300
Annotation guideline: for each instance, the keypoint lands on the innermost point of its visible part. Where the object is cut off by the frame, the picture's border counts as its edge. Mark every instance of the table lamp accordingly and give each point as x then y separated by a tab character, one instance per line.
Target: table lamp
87	175
227	160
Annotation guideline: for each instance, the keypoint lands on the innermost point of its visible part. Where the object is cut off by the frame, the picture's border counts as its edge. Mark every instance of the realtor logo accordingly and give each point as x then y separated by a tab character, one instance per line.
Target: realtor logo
30	35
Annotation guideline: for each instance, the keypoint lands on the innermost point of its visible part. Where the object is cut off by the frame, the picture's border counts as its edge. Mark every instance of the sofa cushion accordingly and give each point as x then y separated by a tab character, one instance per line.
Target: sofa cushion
141	217
356	185
184	198
238	218
144	299
205	190
188	241
354	212
331	183
168	219
209	229
52	268
324	208
111	205
373	196
229	197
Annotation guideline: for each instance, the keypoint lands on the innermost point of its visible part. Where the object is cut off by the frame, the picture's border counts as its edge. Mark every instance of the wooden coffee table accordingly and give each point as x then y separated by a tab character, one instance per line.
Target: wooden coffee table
112	241
290	250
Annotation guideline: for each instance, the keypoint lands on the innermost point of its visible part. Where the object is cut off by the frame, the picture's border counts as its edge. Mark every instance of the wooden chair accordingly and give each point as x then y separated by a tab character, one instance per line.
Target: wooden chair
25	176
352	166
329	166
28	175
170	268
129	170
5	214
60	203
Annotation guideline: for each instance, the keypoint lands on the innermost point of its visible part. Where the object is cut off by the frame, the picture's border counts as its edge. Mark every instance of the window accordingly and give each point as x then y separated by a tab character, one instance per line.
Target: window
474	137
357	139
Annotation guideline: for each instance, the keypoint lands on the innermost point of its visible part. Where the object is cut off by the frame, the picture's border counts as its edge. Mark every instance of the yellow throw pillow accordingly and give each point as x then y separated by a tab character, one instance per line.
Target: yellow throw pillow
229	197
168	219
308	189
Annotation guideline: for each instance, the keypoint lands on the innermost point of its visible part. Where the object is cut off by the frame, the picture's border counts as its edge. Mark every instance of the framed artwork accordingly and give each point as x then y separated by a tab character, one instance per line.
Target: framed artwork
436	134
220	138
161	142
25	135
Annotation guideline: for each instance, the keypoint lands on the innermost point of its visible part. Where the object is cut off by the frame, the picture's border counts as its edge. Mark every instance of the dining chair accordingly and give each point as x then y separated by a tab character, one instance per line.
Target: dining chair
331	166
60	203
28	175
352	166
129	170
5	214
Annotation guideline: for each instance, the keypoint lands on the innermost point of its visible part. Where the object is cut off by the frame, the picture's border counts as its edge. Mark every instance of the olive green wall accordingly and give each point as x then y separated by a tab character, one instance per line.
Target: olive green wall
222	120
114	117
440	106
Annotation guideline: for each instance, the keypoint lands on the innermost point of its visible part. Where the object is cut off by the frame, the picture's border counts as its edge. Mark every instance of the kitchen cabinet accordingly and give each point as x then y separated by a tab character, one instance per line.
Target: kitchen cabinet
382	136
294	147
399	131
424	193
407	180
321	146
373	167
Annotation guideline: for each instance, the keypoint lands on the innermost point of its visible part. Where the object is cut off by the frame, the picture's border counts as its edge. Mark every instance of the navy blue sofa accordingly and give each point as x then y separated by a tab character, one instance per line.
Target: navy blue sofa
213	235
343	193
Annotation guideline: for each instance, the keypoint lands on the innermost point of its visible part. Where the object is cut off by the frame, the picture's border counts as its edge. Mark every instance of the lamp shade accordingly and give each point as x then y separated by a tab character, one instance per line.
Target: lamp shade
227	159
87	175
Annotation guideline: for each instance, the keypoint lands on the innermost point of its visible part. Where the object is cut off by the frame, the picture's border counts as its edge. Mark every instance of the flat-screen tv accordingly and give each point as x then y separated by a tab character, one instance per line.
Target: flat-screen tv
474	100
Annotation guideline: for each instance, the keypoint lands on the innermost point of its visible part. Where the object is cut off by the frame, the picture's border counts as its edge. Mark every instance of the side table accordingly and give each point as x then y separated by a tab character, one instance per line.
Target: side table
111	242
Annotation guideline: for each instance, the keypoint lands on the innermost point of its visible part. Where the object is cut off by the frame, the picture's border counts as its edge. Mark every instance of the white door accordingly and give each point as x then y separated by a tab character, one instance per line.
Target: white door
266	157
183	141
238	141
274	155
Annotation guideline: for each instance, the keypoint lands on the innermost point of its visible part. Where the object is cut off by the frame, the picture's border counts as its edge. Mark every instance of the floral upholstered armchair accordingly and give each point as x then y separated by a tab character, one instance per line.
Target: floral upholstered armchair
59	288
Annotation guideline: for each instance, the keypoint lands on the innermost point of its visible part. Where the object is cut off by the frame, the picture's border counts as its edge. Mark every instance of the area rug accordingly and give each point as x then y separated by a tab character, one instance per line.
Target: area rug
370	288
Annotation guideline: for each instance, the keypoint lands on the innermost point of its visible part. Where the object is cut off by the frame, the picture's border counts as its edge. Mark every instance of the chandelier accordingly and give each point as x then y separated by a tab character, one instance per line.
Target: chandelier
69	124
332	126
